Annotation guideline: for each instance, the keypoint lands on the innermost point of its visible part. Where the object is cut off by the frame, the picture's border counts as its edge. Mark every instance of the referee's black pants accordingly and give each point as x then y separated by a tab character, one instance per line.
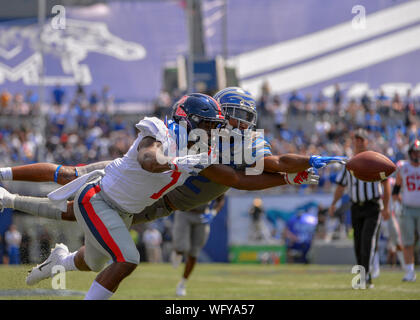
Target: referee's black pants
365	221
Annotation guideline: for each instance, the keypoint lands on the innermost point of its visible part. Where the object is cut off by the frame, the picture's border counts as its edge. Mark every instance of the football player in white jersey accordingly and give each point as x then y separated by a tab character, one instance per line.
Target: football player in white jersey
408	180
237	103
105	202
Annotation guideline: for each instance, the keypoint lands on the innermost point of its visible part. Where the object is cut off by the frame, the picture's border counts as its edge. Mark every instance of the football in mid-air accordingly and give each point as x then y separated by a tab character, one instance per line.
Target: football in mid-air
370	166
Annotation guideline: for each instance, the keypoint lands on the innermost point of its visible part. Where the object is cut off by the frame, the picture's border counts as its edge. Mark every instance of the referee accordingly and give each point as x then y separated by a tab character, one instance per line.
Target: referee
369	199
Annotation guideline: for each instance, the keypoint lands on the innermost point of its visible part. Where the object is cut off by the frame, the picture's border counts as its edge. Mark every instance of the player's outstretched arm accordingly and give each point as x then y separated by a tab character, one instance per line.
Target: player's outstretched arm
48	172
227	176
39	172
288	162
292	163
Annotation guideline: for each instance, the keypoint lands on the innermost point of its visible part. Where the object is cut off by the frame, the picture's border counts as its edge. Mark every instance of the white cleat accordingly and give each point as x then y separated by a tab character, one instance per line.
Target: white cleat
44	270
4	194
176	259
409	277
181	290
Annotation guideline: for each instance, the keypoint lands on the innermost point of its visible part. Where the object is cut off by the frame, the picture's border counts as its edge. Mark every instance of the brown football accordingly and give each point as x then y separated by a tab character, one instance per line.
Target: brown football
370	166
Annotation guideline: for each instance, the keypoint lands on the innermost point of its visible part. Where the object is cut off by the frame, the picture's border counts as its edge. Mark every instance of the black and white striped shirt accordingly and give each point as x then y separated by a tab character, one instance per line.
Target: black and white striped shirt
359	190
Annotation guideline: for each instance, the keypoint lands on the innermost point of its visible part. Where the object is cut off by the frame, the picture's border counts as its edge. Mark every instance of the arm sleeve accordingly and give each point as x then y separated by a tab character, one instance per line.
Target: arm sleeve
260	147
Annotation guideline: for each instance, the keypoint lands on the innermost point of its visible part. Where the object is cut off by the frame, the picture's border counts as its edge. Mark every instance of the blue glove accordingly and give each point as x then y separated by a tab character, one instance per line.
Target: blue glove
208	217
319	162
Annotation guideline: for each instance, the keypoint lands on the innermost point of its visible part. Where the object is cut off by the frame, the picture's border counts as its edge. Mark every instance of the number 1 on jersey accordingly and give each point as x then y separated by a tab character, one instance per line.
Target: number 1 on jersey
175	176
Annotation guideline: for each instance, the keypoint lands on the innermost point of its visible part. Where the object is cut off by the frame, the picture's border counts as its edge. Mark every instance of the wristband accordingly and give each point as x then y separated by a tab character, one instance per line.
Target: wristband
286	177
396	190
56	173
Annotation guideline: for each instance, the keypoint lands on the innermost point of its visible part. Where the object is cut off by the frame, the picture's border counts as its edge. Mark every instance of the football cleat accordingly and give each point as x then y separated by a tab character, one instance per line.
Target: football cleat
409	277
44	270
181	290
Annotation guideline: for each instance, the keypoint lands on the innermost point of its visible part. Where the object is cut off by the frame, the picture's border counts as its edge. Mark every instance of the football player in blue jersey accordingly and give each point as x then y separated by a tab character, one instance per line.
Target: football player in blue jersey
241	109
197	190
106	201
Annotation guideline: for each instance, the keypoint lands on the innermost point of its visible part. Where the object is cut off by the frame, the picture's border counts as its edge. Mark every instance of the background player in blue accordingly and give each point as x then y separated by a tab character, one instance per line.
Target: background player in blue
300	231
190	231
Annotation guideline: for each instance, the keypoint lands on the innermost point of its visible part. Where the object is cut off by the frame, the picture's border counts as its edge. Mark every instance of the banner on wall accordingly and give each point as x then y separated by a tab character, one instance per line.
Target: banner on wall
123	45
277	210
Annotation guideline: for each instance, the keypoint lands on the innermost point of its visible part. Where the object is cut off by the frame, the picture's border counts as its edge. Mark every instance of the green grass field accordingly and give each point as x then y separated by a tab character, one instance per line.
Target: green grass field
225	281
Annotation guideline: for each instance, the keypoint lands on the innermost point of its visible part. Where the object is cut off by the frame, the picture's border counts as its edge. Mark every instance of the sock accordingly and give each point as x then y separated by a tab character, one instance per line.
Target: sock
6	173
9	200
400	257
184	281
40	207
68	262
98	292
409	267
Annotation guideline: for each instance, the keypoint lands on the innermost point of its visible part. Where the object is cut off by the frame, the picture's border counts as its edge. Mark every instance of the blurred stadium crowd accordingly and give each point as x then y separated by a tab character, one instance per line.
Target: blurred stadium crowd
81	128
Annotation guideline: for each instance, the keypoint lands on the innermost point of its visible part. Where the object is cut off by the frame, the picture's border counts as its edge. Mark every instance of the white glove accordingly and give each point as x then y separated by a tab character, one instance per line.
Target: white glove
304	177
190	164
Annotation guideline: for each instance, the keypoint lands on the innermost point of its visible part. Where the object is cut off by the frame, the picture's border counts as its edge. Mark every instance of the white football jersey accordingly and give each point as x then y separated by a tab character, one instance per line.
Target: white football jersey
410	183
132	187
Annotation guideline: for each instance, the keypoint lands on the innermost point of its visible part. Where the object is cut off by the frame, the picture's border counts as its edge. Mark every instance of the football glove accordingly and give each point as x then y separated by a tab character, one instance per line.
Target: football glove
319	162
309	176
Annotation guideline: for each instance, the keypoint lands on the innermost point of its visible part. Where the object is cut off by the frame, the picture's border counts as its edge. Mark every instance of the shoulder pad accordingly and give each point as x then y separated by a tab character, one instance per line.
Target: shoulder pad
153	127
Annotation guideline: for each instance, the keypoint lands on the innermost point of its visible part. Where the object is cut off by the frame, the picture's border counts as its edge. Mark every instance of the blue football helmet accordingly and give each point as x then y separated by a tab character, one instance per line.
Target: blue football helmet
196	110
238	104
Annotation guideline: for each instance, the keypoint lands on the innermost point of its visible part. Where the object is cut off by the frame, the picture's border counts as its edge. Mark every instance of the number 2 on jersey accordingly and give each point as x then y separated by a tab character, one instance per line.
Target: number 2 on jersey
175	176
